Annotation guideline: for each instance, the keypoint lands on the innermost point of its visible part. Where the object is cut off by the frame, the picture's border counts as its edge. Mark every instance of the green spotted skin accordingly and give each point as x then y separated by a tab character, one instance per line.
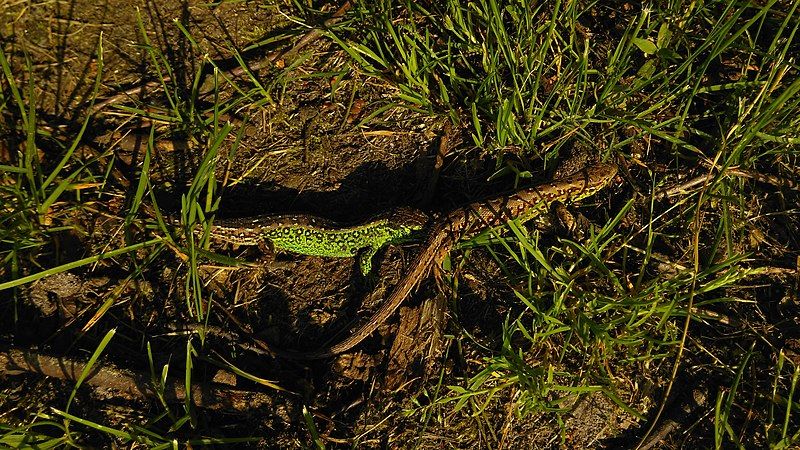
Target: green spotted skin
309	235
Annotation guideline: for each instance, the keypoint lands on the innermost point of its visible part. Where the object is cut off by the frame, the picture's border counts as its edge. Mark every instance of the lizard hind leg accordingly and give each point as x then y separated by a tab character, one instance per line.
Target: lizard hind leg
267	249
576	225
444	282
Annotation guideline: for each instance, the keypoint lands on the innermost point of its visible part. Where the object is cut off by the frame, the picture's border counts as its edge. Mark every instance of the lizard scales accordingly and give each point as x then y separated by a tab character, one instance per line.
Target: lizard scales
310	235
522	205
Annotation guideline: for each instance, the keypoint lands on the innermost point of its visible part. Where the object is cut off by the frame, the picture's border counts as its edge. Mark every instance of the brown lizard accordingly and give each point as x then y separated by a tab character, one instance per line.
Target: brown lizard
467	221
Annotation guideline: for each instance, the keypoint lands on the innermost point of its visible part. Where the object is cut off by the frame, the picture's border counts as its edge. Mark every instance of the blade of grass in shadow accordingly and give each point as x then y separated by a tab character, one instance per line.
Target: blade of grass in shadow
27	436
230	366
191	210
188	402
160	68
89	364
79	263
126	437
159	383
79	136
780	433
312	429
722	409
144	181
115	294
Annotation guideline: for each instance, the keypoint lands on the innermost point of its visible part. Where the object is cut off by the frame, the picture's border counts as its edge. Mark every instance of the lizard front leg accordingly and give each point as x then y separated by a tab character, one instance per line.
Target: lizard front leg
365	259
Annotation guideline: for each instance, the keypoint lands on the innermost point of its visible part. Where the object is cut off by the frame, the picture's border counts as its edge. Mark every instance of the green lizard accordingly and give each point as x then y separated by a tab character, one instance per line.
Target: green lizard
314	236
309	235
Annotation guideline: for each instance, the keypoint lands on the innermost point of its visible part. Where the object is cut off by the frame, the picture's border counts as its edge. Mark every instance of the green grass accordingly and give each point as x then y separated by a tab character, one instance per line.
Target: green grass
535	84
659	285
